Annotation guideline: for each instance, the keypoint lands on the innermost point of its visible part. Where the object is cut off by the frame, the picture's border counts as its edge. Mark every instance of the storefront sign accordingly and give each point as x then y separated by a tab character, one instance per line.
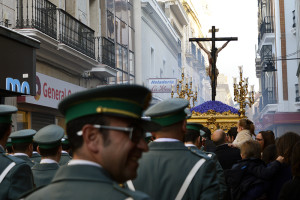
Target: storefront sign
50	91
18	63
161	85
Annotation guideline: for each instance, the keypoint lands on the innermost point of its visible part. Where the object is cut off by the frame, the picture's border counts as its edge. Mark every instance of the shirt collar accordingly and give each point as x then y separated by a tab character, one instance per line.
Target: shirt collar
83	162
47	160
189	145
166	140
20	154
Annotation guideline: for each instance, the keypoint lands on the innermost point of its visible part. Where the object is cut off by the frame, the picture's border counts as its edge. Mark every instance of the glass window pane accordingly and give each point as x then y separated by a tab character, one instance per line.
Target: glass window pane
131	62
110	25
119	77
131	39
124	34
132	80
130	15
124	11
125	78
119	57
125	60
22	120
118	8
110	5
118	30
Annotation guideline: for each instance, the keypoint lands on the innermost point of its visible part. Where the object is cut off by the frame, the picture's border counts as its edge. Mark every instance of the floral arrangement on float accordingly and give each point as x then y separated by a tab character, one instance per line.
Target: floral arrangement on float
214	107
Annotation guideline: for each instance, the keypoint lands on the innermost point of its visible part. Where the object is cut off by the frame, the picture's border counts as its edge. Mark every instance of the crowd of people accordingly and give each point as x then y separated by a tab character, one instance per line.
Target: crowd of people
108	137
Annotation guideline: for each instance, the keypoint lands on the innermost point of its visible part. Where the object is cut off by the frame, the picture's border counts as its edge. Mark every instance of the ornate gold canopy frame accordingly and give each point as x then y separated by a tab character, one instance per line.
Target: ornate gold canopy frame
214	120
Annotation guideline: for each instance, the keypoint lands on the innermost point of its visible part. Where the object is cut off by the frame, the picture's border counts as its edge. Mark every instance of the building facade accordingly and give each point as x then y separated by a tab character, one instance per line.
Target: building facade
277	49
83	44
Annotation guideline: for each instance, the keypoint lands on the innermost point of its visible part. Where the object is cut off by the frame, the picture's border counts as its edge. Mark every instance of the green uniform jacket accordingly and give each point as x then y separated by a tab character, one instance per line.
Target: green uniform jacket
18	180
36	157
44	173
164	168
26	159
220	172
64	159
84	182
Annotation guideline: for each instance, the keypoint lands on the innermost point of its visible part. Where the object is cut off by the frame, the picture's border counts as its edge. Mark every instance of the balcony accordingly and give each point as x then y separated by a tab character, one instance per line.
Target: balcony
65	41
266	31
43	17
267	101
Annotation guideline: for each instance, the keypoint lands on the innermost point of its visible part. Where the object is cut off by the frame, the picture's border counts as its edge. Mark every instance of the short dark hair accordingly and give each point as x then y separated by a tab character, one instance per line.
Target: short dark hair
251	149
20	147
65	146
76	125
4	127
49	152
191	136
232	132
207	132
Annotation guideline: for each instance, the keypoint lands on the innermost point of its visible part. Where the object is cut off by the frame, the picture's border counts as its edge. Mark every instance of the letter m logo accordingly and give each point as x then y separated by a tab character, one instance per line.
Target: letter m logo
15	86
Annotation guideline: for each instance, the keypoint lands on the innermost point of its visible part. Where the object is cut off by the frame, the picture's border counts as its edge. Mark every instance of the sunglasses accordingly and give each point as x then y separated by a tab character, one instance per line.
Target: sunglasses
135	133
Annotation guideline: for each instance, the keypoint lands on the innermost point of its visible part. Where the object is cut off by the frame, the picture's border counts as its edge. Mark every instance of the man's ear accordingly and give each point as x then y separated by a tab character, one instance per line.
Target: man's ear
30	147
38	149
184	126
91	137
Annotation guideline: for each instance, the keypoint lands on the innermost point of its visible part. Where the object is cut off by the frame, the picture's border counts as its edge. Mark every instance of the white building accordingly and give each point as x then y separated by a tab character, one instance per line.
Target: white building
83	44
277	40
222	90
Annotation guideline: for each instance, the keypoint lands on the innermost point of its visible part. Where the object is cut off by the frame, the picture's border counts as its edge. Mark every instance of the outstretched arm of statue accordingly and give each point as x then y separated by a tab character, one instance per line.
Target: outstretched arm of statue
224	45
205	50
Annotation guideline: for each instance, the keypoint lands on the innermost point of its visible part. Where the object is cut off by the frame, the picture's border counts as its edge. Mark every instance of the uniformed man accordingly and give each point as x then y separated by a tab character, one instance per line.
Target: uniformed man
170	170
192	140
36	157
15	174
106	134
65	156
22	144
49	147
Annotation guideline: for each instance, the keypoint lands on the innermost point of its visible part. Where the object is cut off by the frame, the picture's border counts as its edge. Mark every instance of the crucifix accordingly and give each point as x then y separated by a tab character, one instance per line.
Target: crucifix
212	56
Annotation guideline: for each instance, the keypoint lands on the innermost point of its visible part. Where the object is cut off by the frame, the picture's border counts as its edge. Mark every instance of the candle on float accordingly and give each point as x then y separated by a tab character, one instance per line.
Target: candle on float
241	69
234	80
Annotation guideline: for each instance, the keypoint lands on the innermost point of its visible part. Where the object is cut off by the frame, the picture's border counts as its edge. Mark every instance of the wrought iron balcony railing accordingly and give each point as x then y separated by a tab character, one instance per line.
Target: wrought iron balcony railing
105	51
38	14
42	15
75	34
266	26
268	97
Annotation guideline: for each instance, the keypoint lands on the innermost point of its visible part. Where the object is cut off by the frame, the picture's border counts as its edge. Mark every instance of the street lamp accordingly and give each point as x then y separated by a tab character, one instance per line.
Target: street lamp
269	69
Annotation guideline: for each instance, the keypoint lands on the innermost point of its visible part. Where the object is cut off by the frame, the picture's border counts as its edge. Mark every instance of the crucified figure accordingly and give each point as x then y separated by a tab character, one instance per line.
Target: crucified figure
209	70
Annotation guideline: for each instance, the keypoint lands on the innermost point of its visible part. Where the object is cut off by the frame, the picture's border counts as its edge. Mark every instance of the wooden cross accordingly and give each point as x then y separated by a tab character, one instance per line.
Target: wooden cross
212	55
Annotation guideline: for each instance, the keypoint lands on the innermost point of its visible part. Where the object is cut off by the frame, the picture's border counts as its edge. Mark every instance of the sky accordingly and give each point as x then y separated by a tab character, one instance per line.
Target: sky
236	18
